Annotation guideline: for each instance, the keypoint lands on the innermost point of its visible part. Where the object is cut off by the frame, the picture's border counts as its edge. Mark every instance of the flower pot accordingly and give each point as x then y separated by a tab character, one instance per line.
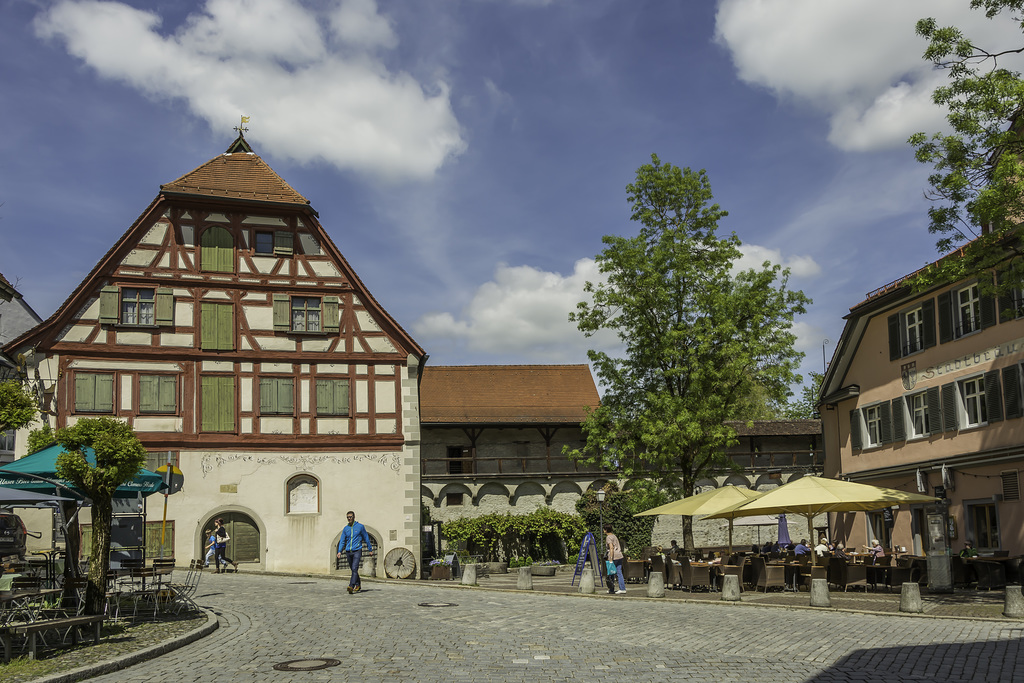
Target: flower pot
543	569
441	573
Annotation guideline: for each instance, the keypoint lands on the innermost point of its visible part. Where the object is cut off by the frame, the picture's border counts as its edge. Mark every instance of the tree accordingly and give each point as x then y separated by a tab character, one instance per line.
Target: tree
618	509
976	185
806	407
119	457
17	406
698	337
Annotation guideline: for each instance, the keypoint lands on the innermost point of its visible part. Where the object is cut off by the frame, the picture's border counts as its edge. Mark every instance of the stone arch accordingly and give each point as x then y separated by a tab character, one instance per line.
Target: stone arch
737	480
705	484
246	530
369	564
564	495
599	484
529	496
766	483
427	497
302	494
468	498
493	497
793	476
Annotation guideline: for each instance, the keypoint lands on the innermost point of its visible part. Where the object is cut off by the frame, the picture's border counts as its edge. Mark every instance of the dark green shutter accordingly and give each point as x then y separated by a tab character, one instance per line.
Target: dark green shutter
286	396
164	306
1011	391
283	243
331	314
149	393
944	302
855	435
341	396
168	393
928	318
993	397
104	393
324	397
208	326
895	351
109	305
934	412
85	392
988	310
282	312
898	429
217	250
209	404
218	410
225	327
886	419
949	403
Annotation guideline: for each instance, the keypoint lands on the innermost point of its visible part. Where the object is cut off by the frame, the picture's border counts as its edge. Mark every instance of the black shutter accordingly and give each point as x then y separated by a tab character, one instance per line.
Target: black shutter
898	431
934	413
894	337
928	318
949	400
1011	391
993	399
855	437
945	305
886	415
988	311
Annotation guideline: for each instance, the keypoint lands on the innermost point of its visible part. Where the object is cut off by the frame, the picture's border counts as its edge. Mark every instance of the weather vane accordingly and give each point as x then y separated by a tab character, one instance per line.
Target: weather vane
242	130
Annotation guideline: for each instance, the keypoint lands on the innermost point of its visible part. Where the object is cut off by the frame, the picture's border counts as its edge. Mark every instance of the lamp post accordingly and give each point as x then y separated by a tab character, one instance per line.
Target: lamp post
600	511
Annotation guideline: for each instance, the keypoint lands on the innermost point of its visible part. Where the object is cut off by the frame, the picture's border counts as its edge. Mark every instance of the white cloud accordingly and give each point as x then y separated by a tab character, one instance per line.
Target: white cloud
522	311
310	80
754	256
860	62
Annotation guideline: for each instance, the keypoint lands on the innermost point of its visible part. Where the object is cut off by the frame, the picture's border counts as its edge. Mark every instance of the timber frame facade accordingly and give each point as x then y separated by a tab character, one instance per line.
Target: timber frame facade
229	331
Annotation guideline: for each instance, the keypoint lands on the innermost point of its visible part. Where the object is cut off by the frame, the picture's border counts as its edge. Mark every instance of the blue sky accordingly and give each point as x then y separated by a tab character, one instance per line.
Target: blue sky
468	155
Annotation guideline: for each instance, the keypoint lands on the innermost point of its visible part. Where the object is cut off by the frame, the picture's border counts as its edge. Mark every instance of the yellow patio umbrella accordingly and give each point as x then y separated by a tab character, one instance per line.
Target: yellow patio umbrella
707	503
810	496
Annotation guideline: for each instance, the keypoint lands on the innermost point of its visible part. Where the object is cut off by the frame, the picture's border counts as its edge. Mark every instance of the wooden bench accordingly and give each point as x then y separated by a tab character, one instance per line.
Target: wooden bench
32	629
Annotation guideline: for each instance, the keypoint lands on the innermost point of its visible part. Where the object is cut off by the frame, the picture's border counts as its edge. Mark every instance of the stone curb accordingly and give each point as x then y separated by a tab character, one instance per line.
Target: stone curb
127	660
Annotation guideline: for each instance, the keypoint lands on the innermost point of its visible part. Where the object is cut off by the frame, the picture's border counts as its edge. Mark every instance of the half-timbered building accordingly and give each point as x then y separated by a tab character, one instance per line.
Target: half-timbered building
229	331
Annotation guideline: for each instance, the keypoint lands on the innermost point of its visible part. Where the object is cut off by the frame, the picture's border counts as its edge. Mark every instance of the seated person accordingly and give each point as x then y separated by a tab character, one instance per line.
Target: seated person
876	550
969	550
801	547
840	551
769	547
674	550
823	547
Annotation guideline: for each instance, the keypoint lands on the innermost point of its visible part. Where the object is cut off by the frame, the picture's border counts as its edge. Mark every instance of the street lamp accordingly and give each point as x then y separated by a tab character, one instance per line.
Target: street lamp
600	512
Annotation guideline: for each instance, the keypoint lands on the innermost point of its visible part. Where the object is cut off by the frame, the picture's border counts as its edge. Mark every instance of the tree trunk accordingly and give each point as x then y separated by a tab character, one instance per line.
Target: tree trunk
72	547
688	533
99	559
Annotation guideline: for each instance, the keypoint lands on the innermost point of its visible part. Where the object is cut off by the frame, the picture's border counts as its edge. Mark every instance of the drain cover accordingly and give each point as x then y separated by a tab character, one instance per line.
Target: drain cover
299	583
438	604
306	664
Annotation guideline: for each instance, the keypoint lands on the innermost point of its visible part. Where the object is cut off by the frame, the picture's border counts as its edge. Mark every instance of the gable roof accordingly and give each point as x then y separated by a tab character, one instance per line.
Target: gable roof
237	174
506	394
776	427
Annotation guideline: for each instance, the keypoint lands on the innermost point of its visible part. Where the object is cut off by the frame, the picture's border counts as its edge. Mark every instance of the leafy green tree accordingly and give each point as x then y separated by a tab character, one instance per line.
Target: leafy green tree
17	405
618	508
41	438
698	337
543	534
806	407
976	188
119	457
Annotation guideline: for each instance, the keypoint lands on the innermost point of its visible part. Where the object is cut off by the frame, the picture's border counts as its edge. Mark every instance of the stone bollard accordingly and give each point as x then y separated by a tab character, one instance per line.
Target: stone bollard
1013	604
910	598
655	585
587	581
469	575
524	581
730	587
819	593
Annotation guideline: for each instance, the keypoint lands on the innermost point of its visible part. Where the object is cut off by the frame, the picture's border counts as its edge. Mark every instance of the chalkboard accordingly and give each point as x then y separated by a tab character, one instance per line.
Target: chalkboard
588	551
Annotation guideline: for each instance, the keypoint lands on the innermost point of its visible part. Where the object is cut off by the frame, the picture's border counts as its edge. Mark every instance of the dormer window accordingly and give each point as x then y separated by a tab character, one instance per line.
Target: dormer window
137	306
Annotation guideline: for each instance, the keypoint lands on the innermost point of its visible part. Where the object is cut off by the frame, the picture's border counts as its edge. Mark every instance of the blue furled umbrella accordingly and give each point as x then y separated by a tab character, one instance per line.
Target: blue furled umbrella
784	539
43	463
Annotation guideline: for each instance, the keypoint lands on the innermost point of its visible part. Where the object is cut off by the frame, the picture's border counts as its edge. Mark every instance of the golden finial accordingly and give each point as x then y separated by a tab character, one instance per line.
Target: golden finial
242	130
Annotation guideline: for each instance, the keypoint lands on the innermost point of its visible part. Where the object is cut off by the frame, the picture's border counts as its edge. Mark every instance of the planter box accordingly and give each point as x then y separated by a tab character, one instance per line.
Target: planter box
441	572
543	570
494	567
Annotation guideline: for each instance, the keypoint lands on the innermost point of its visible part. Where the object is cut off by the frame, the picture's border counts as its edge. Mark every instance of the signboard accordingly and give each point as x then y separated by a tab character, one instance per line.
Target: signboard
172	476
588	551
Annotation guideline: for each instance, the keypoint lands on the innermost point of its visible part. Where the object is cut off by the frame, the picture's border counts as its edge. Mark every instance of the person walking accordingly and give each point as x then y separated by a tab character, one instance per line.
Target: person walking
222	538
352	538
211	547
615	556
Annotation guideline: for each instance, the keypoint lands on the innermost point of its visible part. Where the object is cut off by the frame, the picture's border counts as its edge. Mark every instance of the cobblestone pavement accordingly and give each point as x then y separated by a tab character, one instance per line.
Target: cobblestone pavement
385	634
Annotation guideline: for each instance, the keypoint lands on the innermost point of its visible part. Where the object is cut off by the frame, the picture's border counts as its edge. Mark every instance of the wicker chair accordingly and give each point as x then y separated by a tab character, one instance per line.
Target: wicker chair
990	574
768	576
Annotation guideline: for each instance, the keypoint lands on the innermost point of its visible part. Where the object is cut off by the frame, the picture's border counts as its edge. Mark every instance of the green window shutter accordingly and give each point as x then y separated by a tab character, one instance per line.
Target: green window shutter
856	441
168	393
341	396
208	327
886	416
988	311
217	250
1011	392
209	399
894	337
109	305
149	390
993	398
105	393
85	392
225	327
928	318
331	314
944	303
898	431
286	396
268	395
164	306
282	312
934	413
283	243
324	397
949	412
226	401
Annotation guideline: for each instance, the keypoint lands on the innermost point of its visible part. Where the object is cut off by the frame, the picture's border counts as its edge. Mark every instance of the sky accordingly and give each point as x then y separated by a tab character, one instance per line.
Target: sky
467	156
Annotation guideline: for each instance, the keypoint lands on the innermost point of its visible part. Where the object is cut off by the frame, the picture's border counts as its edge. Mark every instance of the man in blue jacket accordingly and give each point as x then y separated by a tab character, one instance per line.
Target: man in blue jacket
351	543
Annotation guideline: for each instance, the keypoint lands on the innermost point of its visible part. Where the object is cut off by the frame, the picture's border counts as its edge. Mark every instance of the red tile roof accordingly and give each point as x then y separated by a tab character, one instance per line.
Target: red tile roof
506	394
236	176
776	427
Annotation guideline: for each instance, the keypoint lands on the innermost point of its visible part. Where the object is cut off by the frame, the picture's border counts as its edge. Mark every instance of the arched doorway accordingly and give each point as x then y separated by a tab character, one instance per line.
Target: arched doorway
244	534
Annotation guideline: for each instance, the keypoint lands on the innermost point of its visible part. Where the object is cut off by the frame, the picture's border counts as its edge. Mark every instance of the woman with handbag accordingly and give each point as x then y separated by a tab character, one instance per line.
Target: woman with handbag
615	557
222	537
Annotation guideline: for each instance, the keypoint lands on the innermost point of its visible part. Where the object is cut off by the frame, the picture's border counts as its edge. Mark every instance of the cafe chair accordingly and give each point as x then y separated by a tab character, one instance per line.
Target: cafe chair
990	574
768	576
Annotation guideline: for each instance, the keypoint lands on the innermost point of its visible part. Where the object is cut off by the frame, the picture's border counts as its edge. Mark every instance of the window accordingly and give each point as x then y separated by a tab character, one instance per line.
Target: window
912	330
137	306
453	499
873	422
264	243
218	404
871	426
158	394
277	396
972	402
217	250
305	314
94	393
964	311
7	441
916	415
983	523
919	419
303	494
459	460
332	397
878	529
217	327
972	393
968	311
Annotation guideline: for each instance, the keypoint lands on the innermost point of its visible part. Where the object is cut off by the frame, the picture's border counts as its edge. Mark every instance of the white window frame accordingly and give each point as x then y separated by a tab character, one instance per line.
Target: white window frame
142	312
872	425
971	394
303	311
912	321
966	310
917	406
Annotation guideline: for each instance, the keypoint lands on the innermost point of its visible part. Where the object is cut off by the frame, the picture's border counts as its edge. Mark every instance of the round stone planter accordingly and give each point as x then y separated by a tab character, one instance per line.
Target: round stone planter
543	569
494	567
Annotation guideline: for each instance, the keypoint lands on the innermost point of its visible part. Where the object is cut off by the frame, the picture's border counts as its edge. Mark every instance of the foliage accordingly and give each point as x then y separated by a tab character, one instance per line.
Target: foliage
17	405
119	457
516	562
41	438
544	533
618	508
440	561
699	337
978	200
806	407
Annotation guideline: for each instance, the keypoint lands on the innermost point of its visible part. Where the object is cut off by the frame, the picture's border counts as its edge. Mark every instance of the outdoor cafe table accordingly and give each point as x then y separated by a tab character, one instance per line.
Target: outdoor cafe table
23	605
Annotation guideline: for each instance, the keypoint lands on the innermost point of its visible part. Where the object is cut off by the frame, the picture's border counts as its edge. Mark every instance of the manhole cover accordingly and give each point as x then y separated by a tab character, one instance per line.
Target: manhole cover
306	664
438	604
300	583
